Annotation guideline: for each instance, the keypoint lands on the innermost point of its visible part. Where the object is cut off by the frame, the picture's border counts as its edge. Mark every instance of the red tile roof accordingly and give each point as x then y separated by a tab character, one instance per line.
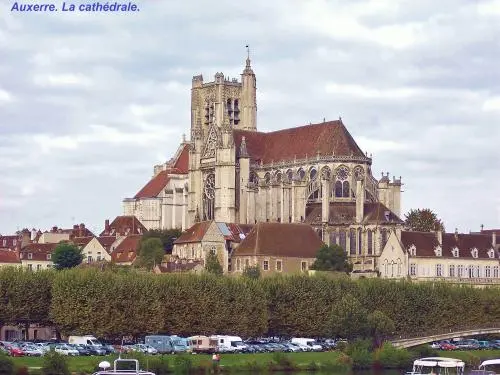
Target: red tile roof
125	225
9	256
326	138
426	242
178	165
106	242
280	239
195	233
82	241
38	251
127	250
154	187
345	213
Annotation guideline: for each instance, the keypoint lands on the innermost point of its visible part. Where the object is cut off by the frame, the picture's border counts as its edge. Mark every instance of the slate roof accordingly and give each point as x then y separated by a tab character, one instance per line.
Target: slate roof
38	251
230	231
280	240
426	242
284	145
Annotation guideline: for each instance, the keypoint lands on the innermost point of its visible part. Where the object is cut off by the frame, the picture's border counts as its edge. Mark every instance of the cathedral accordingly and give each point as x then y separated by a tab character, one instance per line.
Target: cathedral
230	172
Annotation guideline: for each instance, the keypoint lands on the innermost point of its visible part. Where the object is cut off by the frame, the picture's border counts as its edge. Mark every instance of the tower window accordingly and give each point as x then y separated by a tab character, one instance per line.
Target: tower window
236	111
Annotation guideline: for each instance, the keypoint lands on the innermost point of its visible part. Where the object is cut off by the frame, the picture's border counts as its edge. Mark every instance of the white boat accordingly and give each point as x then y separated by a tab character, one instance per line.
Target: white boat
122	367
485	368
437	366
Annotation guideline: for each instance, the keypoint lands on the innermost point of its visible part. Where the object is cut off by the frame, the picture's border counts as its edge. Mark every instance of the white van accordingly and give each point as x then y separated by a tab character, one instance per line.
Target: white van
84	340
223	343
237	344
307	344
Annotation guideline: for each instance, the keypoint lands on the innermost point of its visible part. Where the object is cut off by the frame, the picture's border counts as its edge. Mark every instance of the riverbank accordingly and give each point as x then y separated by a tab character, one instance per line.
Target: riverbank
260	362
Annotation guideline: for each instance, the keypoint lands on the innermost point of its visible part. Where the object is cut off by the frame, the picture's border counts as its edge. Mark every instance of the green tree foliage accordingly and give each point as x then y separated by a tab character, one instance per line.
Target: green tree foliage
55	364
6	365
212	264
423	220
113	304
379	326
349	318
151	253
331	258
252	272
167	237
66	255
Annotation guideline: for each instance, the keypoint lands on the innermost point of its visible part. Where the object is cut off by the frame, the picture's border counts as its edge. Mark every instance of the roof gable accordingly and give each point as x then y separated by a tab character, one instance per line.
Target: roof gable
325	139
127	250
195	233
124	226
281	240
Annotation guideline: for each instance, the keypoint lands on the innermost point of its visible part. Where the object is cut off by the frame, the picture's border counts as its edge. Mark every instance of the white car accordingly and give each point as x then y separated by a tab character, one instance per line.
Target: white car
66	350
148	349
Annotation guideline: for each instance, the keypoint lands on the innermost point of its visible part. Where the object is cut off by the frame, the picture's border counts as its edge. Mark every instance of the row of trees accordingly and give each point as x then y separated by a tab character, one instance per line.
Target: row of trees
113	304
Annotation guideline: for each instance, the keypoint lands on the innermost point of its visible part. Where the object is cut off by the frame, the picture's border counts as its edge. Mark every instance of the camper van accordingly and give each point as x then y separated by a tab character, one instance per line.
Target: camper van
228	344
306	344
84	340
167	344
202	344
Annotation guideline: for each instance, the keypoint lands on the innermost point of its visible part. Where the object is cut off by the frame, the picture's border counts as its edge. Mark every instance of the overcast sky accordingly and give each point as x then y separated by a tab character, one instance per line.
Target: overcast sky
90	102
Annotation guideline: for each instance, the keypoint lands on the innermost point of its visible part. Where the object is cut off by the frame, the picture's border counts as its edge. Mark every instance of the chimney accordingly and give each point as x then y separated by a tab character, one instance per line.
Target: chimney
494	238
54	229
440	237
106	226
482	227
81	230
456	234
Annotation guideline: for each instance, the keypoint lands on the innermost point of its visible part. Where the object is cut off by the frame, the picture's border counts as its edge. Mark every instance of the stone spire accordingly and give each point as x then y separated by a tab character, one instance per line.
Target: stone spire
248	68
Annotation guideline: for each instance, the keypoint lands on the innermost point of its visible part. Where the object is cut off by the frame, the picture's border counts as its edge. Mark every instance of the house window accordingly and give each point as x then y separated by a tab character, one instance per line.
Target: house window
495	271
370	242
30	256
192	252
451	270
352	242
303	266
30	267
477	271
49	265
439	270
487	271
238	265
342	240
471	271
279	265
38	267
98	258
89	259
460	270
247	263
413	269
265	265
399	267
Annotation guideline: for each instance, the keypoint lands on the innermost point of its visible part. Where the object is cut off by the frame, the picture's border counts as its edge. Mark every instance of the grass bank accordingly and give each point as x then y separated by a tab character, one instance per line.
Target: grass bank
260	362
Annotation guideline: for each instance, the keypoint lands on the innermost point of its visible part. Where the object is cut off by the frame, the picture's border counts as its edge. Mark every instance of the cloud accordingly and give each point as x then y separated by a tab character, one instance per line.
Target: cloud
90	102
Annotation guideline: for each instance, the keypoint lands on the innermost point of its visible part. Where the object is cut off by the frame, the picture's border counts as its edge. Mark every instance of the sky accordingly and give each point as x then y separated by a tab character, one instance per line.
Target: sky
90	102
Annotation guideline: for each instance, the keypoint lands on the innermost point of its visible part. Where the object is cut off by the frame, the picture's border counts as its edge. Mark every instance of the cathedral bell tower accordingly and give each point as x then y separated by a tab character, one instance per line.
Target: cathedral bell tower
217	108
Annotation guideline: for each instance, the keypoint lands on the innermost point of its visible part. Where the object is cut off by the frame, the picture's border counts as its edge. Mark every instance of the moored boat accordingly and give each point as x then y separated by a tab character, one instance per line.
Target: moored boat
488	368
437	366
122	367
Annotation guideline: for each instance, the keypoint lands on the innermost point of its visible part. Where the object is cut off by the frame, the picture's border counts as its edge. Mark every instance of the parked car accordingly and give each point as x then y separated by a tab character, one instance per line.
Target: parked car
14	350
31	350
447	346
65	350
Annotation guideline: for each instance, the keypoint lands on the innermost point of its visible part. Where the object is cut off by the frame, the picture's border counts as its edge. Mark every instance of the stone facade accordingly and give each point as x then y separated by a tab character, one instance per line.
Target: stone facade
452	257
315	174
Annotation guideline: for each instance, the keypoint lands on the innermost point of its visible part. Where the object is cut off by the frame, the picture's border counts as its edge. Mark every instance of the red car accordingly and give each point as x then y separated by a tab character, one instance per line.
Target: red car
15	351
447	346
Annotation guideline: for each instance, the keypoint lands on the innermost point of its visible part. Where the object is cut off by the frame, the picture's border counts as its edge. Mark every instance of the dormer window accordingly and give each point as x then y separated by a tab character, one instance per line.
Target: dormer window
4	243
491	253
474	253
455	252
14	242
412	250
438	251
48	256
30	256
